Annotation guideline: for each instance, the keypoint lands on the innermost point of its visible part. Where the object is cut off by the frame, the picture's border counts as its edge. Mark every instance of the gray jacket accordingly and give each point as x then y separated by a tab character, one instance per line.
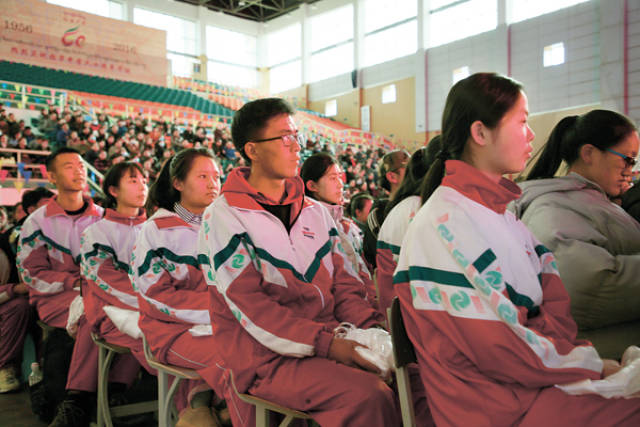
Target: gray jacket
597	247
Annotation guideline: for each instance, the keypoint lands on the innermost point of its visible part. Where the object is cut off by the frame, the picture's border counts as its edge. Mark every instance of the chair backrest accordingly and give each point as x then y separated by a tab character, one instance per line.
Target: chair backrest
5	268
147	351
403	350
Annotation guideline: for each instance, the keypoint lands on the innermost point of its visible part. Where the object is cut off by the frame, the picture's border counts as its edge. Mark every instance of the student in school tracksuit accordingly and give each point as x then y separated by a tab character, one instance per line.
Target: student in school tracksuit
106	253
388	246
279	286
49	254
49	250
322	179
16	317
166	272
399	213
14	320
481	298
104	244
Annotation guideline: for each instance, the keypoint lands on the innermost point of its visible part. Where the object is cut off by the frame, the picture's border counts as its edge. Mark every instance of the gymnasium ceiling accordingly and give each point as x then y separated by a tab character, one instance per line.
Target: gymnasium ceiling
255	10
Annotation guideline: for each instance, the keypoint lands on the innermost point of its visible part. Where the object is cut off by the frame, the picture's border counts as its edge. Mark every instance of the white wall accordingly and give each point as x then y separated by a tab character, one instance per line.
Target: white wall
484	52
198	14
593	72
577	81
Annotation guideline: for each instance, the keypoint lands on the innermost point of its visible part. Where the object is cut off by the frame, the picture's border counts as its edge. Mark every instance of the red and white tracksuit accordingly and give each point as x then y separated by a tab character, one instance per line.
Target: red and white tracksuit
489	317
275	298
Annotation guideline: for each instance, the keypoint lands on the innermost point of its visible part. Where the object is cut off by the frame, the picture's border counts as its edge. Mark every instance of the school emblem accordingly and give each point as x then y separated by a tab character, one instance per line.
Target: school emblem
306	232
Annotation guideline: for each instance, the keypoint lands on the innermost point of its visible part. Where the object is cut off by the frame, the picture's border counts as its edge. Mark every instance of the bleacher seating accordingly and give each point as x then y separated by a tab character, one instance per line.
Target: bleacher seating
58	79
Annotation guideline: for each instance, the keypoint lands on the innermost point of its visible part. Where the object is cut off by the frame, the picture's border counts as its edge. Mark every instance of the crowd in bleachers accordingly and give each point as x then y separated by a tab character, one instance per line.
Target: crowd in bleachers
105	140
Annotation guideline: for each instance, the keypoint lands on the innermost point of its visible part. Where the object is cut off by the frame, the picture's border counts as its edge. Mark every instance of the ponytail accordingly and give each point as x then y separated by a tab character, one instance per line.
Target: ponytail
601	128
417	169
162	194
433	178
112	179
486	97
552	154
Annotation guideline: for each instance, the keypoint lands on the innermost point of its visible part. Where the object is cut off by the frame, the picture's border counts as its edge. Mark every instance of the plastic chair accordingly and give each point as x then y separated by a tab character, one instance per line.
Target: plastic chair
166	393
107	352
265	408
403	354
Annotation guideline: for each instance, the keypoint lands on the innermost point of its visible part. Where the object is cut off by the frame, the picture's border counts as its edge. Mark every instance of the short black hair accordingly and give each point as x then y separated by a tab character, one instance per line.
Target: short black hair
162	193
112	179
32	197
391	162
252	118
314	168
357	203
63	150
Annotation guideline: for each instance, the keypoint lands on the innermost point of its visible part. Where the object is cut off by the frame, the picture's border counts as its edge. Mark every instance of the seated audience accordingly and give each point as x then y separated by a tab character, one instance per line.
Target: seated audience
391	173
278	286
322	179
48	256
481	299
596	243
399	213
166	272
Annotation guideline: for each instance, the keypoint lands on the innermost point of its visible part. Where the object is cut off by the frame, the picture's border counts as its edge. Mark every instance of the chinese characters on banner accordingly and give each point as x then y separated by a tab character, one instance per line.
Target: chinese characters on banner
37	33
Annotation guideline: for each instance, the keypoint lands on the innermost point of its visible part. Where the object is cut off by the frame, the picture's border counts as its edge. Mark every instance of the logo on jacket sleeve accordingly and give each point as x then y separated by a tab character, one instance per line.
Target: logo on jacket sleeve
306	232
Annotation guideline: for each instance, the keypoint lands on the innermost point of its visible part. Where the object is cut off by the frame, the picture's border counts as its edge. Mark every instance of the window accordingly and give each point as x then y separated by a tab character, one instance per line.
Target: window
553	55
461	19
234	75
389	94
331	43
284	45
331	108
331	62
391	30
106	8
182	65
331	28
285	77
116	10
232	57
231	47
383	13
395	42
181	33
459	74
527	9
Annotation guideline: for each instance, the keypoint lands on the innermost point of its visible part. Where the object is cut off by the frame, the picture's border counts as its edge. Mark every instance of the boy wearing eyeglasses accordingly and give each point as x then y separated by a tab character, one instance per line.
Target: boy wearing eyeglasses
279	286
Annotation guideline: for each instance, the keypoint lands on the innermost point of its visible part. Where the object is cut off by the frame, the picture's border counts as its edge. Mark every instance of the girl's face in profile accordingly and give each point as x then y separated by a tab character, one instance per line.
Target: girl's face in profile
610	170
329	187
509	143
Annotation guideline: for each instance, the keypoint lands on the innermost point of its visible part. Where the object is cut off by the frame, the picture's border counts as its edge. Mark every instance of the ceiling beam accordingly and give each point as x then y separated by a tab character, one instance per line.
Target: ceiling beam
258	3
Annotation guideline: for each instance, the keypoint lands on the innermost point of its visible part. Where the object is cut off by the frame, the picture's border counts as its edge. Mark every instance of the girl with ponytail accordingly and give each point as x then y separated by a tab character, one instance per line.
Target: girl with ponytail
167	273
481	299
596	243
399	213
106	250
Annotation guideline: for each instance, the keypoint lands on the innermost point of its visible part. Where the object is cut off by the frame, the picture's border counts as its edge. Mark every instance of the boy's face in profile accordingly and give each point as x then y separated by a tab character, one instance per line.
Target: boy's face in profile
277	160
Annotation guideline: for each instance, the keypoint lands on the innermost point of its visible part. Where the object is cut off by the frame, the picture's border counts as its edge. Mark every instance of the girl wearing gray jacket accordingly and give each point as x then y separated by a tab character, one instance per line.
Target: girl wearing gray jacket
596	243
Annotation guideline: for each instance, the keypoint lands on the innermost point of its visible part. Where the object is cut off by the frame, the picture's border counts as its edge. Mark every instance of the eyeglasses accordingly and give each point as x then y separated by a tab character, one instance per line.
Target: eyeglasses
287	139
630	161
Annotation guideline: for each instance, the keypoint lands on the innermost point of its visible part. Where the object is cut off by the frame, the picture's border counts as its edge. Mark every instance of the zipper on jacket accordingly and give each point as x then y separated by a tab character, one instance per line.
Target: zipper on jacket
294	249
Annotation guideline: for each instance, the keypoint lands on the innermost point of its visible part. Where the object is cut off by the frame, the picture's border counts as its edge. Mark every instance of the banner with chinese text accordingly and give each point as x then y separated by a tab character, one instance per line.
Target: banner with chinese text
37	33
